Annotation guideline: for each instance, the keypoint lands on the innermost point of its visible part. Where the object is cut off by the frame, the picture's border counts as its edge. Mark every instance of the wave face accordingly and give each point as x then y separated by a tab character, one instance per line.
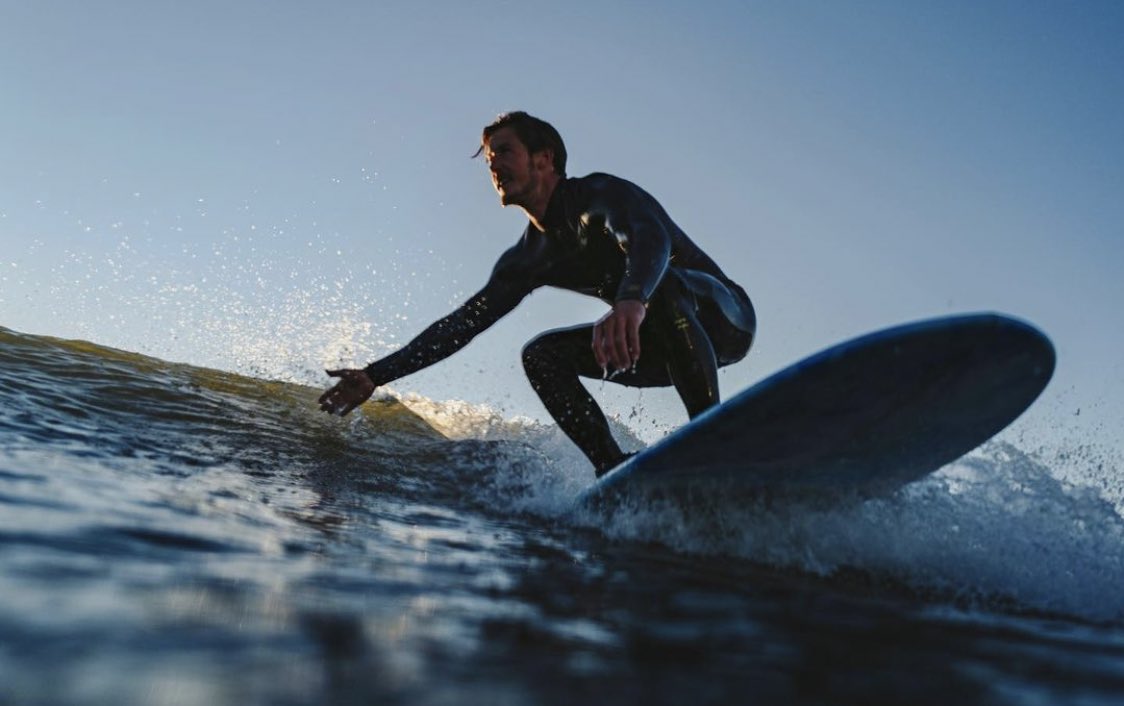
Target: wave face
174	534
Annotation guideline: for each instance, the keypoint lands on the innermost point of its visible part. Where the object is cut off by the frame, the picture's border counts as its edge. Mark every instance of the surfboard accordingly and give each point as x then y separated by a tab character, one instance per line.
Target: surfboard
864	417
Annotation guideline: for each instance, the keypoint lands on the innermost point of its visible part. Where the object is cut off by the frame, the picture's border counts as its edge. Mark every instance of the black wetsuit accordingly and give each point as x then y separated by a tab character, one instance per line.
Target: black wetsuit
607	238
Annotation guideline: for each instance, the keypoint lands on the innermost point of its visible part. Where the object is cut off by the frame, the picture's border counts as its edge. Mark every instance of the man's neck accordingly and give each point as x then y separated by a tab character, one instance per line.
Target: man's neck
536	211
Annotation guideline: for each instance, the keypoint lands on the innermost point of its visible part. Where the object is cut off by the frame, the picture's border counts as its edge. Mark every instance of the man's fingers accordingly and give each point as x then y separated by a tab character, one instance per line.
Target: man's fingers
616	337
633	345
332	404
331	396
332	390
622	360
608	347
619	350
599	346
616	342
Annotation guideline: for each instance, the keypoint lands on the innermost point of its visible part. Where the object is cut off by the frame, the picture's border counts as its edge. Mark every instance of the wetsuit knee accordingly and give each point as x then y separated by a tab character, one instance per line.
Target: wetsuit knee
532	350
537	353
555	351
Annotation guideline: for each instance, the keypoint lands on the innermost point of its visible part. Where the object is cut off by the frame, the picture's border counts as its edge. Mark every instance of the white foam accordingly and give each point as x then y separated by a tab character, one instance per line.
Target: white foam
996	526
534	469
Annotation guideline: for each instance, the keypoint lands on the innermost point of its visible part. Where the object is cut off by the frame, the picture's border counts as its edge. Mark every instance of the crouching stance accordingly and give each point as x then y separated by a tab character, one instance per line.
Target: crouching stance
675	316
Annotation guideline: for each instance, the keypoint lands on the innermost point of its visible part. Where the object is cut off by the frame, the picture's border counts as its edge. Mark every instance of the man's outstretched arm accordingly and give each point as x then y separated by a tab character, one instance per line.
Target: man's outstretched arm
437	342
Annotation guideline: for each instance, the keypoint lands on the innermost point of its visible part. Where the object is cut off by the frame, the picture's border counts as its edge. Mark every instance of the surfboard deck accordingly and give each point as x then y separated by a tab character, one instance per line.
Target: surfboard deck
863	417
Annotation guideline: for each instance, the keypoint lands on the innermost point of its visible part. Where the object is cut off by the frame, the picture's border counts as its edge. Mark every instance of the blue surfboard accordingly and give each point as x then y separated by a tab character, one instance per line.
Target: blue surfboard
862	418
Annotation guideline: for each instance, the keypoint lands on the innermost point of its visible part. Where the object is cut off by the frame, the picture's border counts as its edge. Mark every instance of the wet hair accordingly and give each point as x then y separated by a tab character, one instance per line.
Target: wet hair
536	135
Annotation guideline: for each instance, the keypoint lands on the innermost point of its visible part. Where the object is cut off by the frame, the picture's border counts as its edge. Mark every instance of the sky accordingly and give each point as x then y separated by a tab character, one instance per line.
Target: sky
274	187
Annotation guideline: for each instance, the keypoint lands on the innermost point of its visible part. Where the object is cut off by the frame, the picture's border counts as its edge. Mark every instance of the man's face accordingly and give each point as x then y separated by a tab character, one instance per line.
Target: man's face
516	174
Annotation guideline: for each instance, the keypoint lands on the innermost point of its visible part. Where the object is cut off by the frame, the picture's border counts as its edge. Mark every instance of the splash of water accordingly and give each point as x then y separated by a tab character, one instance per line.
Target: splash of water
995	527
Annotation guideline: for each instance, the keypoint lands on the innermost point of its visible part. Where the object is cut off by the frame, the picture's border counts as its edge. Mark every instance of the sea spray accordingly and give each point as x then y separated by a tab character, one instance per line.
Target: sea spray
995	528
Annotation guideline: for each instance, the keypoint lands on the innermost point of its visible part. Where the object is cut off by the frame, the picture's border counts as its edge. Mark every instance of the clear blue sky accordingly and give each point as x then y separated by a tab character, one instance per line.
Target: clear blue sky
275	186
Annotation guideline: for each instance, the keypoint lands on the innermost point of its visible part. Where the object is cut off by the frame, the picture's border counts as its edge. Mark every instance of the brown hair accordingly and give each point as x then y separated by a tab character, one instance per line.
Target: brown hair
535	134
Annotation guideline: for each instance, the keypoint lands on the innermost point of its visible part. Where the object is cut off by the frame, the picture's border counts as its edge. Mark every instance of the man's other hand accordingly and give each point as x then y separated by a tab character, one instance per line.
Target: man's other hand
353	389
616	337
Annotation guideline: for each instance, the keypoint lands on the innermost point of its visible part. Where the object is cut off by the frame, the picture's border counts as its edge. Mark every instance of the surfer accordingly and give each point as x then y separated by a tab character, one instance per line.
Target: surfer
675	317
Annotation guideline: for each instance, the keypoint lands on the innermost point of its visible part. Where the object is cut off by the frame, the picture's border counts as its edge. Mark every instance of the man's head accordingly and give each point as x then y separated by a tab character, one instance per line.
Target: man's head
535	134
526	158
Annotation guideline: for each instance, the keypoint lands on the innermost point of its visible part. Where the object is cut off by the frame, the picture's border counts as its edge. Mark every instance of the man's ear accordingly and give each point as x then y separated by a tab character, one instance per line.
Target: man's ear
546	155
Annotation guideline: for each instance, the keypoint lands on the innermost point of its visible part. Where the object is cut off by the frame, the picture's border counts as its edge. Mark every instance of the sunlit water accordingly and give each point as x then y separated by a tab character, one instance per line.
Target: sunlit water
176	535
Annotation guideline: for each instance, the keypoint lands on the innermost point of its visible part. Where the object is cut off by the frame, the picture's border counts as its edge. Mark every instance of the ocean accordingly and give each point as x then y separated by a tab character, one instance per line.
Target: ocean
171	534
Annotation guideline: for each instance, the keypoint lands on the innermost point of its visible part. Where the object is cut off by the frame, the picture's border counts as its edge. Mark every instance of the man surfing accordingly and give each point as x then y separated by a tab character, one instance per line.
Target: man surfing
675	317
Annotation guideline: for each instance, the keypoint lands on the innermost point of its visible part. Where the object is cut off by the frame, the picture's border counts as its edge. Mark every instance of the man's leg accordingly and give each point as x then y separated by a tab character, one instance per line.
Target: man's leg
684	345
554	362
675	350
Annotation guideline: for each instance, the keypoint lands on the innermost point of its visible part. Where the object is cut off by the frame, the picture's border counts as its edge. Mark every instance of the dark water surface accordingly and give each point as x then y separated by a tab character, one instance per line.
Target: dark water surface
175	535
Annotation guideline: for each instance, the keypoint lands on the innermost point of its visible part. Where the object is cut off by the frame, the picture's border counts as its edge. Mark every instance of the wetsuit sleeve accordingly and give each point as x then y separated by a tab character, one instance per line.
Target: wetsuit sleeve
448	335
648	248
633	218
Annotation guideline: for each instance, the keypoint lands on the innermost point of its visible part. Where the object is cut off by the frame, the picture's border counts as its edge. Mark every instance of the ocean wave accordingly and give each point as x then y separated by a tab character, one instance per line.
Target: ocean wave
997	527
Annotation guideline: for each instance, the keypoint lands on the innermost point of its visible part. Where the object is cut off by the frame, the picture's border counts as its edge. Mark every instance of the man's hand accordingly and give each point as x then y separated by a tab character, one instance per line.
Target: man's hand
353	389
616	337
